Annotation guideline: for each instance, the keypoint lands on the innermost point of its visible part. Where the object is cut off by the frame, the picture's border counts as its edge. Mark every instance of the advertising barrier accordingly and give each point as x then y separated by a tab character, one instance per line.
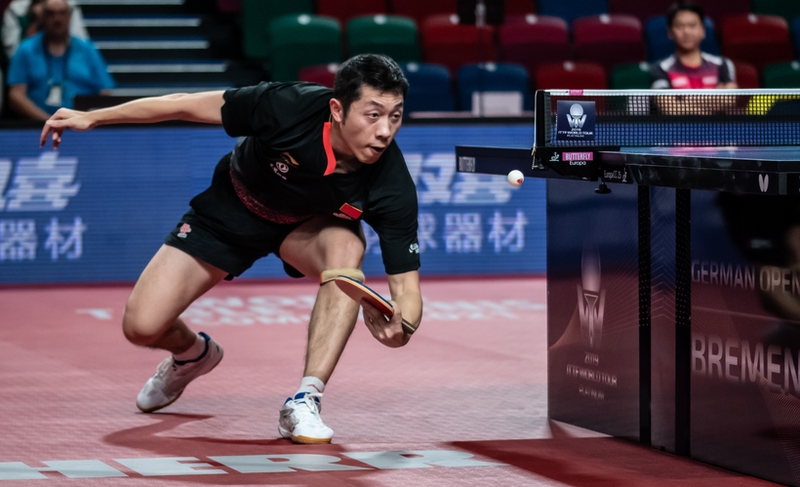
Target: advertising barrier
99	208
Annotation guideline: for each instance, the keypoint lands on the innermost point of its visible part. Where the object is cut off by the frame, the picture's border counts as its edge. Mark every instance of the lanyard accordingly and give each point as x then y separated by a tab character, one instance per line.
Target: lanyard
49	59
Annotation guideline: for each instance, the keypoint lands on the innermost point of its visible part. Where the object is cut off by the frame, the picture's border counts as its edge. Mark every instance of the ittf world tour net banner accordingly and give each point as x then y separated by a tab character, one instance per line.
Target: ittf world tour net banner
99	208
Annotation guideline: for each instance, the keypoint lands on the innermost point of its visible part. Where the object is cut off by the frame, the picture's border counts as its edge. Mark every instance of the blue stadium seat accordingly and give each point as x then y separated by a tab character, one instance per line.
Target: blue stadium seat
796	37
659	45
430	88
483	77
571	9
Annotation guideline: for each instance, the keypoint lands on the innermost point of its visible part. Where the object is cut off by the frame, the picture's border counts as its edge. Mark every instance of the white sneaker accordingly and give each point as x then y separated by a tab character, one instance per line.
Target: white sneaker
300	419
172	377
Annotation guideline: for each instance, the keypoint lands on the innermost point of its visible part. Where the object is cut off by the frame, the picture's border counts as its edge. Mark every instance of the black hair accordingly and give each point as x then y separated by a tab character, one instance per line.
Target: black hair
374	70
684	7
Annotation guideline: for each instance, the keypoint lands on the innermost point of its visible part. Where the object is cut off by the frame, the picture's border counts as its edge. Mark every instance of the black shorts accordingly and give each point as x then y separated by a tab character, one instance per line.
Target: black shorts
220	230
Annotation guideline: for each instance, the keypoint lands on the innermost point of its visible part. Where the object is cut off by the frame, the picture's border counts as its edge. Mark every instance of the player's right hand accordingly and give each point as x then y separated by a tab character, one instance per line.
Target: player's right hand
387	330
64	118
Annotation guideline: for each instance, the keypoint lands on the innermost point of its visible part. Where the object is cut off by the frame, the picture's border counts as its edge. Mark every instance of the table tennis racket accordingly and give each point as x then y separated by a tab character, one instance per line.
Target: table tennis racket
357	291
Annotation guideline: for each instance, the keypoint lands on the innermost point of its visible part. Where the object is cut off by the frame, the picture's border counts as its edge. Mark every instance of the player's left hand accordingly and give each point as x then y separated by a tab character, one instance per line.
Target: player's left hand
64	118
388	331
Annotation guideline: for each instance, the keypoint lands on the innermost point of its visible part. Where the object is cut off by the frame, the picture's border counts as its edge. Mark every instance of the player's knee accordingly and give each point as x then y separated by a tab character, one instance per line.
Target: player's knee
350	253
139	328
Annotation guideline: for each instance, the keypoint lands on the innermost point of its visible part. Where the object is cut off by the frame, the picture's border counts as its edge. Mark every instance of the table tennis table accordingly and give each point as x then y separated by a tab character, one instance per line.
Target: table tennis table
673	267
733	169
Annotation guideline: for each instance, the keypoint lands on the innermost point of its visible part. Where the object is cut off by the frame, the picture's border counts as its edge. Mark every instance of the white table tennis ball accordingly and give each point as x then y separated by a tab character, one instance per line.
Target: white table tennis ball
515	178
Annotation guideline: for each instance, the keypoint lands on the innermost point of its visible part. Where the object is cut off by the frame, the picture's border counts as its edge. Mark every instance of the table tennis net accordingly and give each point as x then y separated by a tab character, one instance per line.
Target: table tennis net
651	118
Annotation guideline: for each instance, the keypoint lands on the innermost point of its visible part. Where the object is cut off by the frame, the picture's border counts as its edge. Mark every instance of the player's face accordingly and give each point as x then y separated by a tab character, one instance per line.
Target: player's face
371	124
687	31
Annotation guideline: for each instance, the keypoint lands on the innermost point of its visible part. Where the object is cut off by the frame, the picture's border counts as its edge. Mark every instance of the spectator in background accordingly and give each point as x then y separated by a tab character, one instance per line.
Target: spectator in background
33	20
3	6
52	67
689	67
2	91
17	23
3	61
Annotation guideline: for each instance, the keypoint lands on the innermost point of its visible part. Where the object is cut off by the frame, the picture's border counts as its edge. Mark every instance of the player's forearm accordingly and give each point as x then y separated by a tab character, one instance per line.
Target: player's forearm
410	304
19	102
406	293
197	107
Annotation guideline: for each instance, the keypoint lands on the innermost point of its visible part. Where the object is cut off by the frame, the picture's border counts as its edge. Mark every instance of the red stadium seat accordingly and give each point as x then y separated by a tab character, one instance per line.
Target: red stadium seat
571	75
322	74
419	10
756	39
746	75
641	9
718	10
608	39
518	7
534	40
229	6
351	8
446	42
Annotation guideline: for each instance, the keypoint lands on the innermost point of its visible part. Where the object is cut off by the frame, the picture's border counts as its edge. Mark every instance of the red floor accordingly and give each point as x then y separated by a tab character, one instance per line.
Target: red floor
463	404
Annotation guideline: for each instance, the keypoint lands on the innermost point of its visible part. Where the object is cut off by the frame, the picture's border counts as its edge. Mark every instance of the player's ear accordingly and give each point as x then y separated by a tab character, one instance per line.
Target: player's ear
337	110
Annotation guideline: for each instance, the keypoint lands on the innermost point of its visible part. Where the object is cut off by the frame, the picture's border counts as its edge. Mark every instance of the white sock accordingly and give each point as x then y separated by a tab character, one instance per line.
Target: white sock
311	384
193	352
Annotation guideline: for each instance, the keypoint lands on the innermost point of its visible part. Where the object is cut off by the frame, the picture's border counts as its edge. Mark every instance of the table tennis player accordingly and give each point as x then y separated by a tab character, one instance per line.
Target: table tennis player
310	163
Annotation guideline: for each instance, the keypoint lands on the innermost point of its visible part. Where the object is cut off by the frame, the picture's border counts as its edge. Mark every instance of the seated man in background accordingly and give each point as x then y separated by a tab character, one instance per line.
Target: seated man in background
52	67
689	67
18	25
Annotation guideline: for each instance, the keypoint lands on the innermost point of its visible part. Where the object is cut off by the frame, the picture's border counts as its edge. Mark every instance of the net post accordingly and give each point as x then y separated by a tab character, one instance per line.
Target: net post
683	321
539	118
645	355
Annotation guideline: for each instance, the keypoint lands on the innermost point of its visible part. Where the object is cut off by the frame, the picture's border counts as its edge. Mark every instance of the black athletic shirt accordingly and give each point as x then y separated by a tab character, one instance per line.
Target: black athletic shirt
283	168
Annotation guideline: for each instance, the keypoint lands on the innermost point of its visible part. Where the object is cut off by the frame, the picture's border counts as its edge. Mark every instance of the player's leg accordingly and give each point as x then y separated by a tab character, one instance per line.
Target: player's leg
312	248
169	284
319	245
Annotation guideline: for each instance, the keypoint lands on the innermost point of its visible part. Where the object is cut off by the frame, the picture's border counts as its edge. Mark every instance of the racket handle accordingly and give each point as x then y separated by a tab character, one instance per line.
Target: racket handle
409	327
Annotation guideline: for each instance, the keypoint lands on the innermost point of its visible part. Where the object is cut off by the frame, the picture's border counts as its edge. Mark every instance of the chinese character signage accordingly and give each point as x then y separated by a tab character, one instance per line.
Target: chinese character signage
100	207
38	185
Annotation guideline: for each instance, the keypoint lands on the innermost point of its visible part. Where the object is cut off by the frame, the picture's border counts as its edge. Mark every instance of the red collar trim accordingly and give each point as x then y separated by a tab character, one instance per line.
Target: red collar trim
326	141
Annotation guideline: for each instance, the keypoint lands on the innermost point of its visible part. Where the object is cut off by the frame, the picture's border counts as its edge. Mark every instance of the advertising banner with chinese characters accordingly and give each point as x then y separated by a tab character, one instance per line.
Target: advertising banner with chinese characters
100	207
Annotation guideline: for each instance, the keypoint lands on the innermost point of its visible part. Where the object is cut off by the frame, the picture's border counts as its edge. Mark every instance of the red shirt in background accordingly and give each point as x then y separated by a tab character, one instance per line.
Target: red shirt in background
670	73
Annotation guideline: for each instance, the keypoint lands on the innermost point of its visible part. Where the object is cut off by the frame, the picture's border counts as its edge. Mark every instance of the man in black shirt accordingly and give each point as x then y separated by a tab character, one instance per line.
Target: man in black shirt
309	165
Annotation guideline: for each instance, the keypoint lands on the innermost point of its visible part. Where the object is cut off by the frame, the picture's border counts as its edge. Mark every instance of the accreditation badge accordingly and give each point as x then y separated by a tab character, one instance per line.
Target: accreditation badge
54	97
